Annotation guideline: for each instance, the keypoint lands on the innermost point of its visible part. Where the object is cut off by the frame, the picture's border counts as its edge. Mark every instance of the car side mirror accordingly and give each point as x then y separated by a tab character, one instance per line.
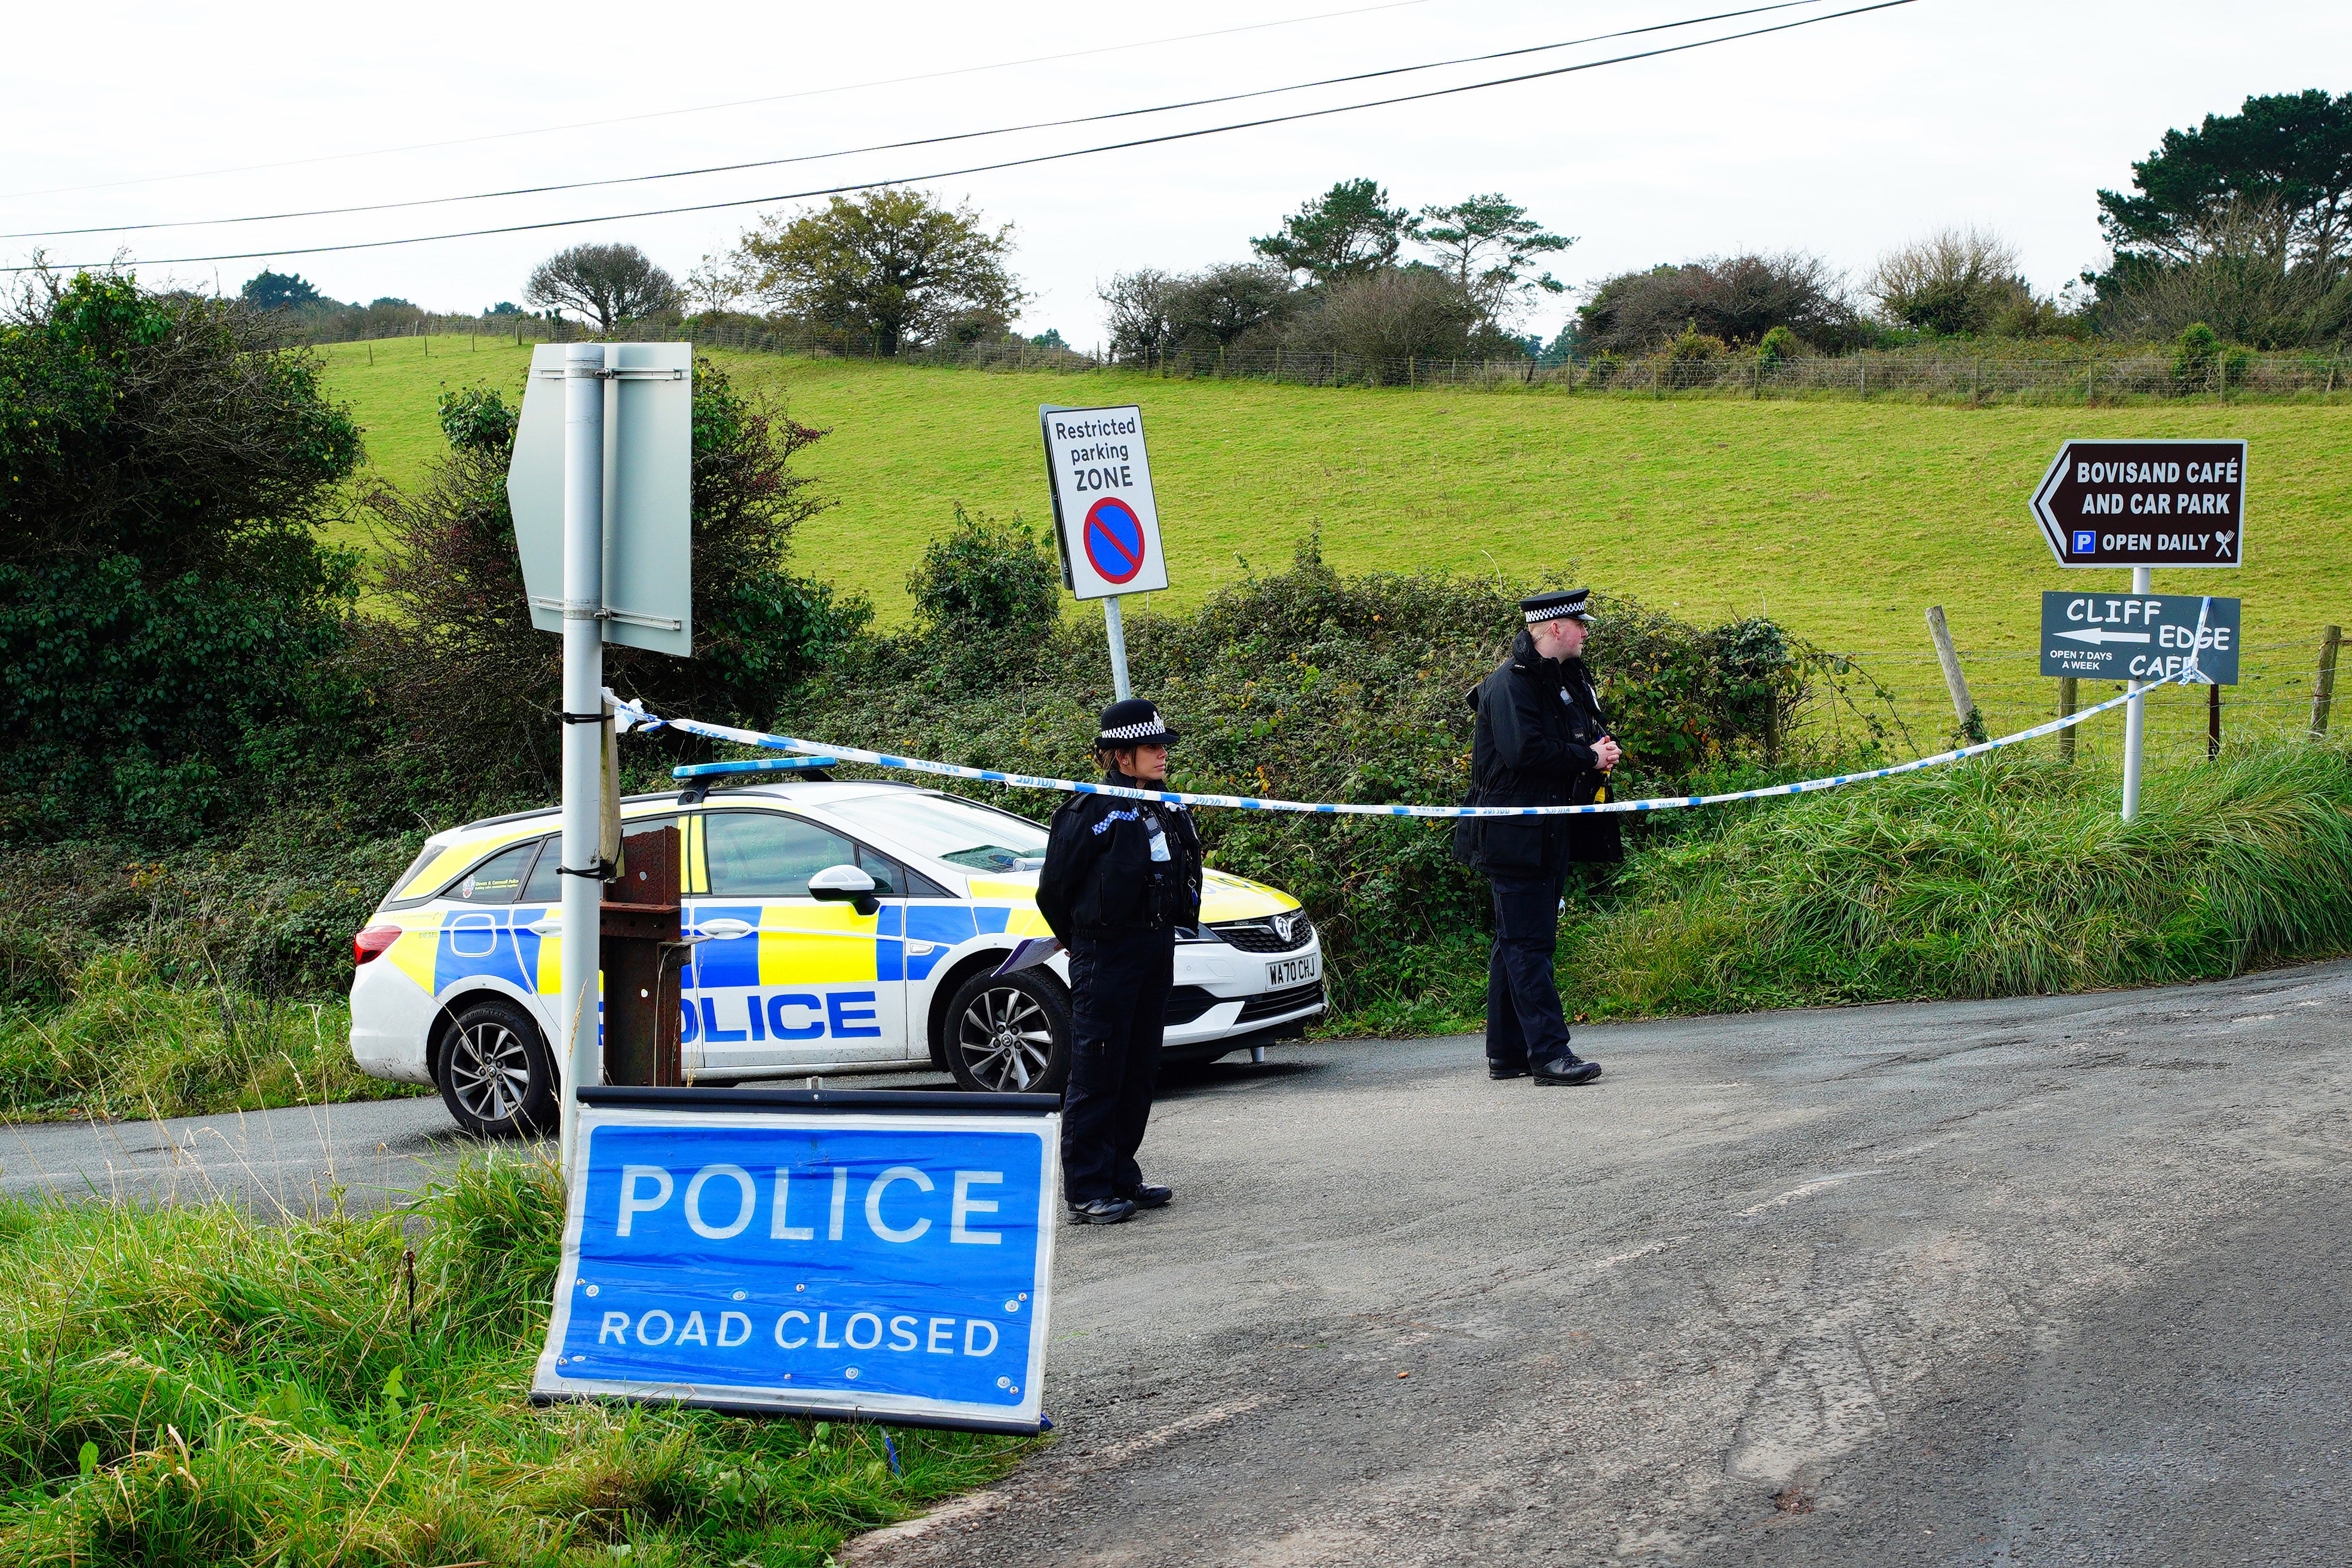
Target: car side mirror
845	885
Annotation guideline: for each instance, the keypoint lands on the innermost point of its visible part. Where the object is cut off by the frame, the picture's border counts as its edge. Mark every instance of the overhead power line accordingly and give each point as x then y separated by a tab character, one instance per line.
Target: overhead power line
1006	163
715	108
918	141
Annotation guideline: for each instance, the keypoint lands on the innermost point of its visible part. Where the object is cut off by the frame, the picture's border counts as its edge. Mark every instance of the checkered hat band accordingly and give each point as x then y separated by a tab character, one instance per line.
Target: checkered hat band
1553	612
1135	732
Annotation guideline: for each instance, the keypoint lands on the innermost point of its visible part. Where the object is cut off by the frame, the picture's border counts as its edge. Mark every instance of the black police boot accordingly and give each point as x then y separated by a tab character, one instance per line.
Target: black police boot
1499	1070
1149	1197
1569	1069
1102	1211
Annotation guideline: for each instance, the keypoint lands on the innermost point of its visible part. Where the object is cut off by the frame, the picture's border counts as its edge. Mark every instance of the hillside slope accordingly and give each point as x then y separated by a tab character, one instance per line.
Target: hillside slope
1844	518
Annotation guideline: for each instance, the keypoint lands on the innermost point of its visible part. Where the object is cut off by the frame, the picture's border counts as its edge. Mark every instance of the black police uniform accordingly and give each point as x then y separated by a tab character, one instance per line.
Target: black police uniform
1120	876
1538	721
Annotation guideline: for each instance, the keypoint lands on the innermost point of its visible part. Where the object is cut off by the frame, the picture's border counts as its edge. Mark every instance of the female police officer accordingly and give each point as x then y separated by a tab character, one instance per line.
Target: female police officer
1120	876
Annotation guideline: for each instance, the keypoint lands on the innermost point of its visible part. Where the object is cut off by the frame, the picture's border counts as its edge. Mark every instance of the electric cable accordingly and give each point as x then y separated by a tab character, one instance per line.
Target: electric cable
983	168
714	108
901	146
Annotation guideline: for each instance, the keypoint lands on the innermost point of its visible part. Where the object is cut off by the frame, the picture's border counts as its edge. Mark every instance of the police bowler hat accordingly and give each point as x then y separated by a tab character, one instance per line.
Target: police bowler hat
1133	723
1574	604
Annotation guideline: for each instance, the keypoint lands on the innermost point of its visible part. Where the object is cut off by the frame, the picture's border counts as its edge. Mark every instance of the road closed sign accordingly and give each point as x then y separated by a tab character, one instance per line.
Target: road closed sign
2139	637
2145	503
838	1256
1104	520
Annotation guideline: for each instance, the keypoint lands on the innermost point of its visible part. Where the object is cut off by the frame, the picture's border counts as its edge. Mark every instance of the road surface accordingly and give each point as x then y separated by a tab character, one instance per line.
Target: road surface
2056	1280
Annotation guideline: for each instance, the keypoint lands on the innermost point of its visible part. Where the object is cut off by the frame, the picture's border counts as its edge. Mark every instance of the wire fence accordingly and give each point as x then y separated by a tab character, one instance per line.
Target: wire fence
2284	691
1944	374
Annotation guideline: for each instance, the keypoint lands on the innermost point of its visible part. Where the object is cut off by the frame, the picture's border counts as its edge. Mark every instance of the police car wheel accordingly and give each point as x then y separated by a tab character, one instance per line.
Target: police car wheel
495	1072
1009	1035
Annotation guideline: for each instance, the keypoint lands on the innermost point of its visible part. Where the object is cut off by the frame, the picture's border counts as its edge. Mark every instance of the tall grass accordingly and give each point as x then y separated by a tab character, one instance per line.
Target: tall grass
188	1385
125	1044
2000	877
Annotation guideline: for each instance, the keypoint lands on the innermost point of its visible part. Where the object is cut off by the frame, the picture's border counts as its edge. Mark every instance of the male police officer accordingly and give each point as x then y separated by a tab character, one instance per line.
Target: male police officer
1542	739
1120	876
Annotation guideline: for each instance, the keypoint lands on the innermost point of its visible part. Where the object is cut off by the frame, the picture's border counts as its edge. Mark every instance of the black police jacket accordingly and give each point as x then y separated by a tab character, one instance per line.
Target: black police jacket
1538	721
1100	879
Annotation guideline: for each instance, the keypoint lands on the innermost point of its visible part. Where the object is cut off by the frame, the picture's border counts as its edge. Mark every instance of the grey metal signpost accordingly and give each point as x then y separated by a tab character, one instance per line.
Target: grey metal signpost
2144	504
599	489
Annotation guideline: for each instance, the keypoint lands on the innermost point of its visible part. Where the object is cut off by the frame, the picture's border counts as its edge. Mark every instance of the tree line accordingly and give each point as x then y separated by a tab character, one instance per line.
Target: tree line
2237	228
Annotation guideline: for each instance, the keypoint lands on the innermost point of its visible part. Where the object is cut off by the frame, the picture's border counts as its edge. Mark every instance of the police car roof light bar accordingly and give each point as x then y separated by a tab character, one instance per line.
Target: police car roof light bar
753	765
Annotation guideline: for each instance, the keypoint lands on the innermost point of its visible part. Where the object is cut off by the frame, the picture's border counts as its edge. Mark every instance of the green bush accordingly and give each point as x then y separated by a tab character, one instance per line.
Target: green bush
193	1387
169	618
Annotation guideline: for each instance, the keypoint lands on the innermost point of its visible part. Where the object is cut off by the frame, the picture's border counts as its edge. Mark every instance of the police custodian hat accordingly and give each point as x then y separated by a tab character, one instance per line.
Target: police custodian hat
1133	723
1572	604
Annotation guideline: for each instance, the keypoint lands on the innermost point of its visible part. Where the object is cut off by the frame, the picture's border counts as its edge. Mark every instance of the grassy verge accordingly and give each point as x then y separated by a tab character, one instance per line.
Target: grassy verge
126	1044
2002	877
190	1386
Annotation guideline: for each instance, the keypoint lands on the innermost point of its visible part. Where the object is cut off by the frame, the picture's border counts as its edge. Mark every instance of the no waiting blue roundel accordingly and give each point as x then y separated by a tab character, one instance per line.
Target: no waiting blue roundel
1114	537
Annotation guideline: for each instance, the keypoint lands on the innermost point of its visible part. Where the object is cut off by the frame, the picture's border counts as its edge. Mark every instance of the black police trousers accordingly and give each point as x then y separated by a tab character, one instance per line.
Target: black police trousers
1118	1009
1525	1022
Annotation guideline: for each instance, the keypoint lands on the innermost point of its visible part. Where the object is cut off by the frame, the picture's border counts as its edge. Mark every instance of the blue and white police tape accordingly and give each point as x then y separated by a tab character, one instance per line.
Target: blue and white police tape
637	718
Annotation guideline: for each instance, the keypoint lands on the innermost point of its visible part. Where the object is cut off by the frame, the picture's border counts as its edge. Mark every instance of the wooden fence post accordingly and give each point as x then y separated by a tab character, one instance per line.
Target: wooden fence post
1964	708
2068	696
2323	690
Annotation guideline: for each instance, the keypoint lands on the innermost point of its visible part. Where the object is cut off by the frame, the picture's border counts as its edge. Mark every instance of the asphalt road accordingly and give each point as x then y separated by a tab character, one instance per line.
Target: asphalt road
2048	1281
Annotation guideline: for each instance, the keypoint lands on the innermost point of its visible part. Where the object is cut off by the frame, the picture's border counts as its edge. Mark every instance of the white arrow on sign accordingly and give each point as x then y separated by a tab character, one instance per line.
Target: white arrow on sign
2101	634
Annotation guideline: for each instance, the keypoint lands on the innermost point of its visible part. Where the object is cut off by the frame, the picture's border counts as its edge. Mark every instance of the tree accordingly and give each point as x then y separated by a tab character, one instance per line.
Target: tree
1350	231
462	639
1221	304
2287	153
612	283
504	308
891	265
280	292
1488	243
171	620
1738	299
1958	282
2240	287
1142	311
1394	317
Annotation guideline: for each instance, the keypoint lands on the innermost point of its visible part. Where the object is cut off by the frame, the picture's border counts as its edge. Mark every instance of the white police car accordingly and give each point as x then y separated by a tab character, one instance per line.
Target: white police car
845	927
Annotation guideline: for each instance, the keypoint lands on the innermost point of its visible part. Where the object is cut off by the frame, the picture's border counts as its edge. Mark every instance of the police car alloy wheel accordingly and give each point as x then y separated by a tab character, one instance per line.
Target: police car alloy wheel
496	1074
1009	1035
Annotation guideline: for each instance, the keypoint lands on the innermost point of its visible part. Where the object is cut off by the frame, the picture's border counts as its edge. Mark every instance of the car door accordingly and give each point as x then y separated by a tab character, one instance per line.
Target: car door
781	980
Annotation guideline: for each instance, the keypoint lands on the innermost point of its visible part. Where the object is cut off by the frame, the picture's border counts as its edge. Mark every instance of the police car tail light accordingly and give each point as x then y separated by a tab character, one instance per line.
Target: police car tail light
371	942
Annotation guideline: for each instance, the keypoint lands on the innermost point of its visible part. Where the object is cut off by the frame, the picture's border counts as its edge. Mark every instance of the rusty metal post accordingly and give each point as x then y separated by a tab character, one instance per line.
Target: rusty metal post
643	955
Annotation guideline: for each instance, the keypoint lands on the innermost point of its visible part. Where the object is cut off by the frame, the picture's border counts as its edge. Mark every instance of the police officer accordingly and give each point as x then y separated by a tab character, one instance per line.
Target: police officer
1120	876
1542	739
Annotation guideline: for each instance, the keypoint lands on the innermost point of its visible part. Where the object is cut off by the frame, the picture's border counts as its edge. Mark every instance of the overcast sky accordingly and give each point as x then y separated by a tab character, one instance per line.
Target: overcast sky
1843	138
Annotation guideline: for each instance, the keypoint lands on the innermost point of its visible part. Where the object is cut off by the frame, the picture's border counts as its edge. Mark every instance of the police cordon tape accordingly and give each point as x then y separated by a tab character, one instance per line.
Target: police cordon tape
642	720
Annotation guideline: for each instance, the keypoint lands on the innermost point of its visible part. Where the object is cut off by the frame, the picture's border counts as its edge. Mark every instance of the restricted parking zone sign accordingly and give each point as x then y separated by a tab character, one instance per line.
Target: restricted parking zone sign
859	1254
1106	520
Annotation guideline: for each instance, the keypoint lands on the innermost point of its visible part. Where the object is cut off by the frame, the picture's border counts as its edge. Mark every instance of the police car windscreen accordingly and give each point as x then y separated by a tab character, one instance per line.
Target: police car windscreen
944	829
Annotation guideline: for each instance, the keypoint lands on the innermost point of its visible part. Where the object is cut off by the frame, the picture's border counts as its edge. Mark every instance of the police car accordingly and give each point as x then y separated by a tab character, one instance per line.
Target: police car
834	927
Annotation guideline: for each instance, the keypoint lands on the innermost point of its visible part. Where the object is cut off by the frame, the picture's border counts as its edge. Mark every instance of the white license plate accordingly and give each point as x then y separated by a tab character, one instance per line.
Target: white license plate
1294	971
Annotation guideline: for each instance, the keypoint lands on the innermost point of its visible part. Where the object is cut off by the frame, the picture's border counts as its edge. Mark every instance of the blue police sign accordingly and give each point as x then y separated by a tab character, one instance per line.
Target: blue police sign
821	1253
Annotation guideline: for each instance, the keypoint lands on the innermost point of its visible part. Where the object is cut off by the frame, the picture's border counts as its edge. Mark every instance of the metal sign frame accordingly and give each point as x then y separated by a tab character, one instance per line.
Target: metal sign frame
754	1272
647	507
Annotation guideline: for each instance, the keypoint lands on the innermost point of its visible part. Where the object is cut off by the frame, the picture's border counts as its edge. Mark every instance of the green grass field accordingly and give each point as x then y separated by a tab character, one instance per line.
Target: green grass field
1844	518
